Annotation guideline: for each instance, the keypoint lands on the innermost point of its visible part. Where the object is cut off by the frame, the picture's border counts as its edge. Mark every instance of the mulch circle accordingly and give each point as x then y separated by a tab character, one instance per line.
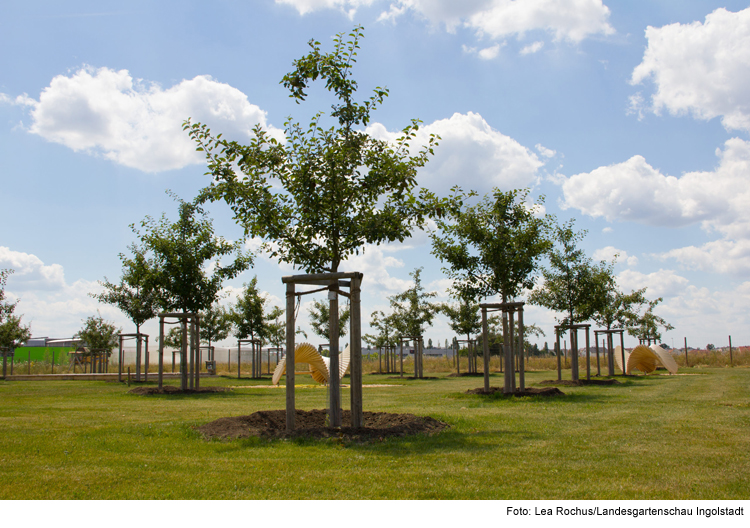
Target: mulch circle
311	424
170	389
528	391
580	383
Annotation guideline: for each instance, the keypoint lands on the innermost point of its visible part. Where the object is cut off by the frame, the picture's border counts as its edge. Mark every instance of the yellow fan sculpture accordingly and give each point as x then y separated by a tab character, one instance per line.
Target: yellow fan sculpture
319	365
645	359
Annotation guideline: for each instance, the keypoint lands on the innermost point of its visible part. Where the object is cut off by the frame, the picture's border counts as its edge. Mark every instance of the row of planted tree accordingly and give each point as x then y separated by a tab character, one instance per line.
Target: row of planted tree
329	189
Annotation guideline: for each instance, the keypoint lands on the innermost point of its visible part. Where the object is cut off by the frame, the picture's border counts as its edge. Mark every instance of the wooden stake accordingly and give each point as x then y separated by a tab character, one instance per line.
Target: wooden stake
290	410
731	362
355	326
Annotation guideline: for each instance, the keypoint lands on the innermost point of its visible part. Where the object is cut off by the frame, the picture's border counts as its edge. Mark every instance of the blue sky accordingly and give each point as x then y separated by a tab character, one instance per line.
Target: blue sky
631	117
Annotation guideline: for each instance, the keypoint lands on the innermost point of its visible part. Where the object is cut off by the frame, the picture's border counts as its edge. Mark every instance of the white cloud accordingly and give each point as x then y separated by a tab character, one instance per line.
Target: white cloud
635	191
30	273
571	20
349	7
532	48
374	263
721	256
489	53
662	283
609	253
471	153
544	151
701	68
136	123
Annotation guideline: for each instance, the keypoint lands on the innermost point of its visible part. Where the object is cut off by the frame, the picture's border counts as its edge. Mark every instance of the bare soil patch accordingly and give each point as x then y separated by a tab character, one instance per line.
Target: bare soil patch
579	383
170	389
528	391
312	424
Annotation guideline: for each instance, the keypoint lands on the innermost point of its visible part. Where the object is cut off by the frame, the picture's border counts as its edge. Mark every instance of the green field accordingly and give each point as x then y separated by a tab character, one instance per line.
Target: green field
654	437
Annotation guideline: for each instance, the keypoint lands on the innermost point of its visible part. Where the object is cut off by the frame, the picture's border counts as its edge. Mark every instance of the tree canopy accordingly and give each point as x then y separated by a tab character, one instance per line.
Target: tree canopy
135	295
570	280
412	312
321	194
187	268
320	319
99	335
248	314
12	332
493	247
216	323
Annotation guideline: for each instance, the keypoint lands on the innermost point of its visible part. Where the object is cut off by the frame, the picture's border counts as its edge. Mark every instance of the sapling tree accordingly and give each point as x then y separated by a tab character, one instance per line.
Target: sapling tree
329	188
571	283
248	314
646	326
216	323
188	270
320	318
413	312
12	332
98	335
135	295
463	316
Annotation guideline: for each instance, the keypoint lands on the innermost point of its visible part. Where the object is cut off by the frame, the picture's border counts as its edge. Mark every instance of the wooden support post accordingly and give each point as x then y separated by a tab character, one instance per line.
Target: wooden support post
686	355
239	358
574	354
731	362
622	348
197	349
119	361
507	358
183	357
596	348
290	410
522	366
161	351
355	332
401	355
486	350
588	356
148	360
334	382
138	358
559	359
513	351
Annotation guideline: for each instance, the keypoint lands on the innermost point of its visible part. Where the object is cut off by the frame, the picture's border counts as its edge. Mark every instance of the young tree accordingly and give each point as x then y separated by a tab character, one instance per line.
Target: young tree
248	315
645	327
99	336
12	332
329	188
188	270
412	313
216	323
135	295
276	327
463	317
571	283
320	318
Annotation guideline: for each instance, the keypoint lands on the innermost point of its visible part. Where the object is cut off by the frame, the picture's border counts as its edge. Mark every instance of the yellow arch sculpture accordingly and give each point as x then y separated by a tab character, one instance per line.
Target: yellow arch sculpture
319	365
645	359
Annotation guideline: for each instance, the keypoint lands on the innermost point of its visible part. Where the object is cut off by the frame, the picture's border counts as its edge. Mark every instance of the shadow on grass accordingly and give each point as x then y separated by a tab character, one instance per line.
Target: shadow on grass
499	397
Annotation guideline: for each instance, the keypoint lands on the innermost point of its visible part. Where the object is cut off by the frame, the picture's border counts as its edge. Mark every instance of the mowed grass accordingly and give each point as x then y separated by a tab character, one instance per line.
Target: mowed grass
654	437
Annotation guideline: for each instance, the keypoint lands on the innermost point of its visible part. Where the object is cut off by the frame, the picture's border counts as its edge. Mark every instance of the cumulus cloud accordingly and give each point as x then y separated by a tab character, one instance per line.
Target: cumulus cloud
609	253
532	48
700	68
30	273
571	20
637	192
472	153
136	123
662	283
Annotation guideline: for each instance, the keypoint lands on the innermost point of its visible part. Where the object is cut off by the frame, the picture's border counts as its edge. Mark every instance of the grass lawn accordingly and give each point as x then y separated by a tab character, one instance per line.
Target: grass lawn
654	437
